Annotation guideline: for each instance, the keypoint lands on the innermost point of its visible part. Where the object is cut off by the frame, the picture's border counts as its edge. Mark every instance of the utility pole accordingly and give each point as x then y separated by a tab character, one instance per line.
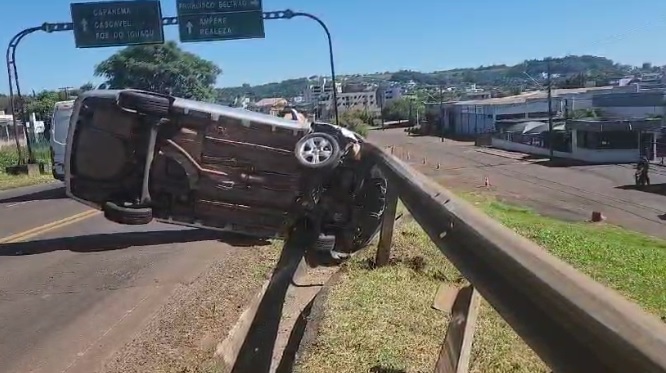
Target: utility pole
410	113
550	110
381	104
441	113
566	122
66	90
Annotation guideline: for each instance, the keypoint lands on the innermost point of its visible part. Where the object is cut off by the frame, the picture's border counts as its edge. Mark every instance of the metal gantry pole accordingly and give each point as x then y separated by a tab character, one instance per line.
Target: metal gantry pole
550	113
12	71
11	78
19	96
13	81
289	14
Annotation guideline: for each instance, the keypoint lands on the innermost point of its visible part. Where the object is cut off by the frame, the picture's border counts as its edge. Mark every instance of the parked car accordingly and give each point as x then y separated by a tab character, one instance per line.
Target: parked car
139	156
62	112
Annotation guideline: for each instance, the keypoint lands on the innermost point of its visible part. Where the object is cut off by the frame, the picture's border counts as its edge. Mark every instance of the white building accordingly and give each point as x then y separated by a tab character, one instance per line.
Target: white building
317	91
478	116
386	95
363	101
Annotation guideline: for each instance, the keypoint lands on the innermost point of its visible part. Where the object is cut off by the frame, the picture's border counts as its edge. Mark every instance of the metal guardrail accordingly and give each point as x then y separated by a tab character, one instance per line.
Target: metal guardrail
571	321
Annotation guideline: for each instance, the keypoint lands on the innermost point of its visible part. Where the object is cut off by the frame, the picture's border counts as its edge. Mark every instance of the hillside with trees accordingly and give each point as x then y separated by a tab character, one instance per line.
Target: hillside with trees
590	68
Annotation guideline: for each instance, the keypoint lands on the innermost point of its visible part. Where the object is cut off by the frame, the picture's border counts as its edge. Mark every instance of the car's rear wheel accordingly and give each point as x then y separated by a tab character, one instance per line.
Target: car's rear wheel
317	150
145	103
127	215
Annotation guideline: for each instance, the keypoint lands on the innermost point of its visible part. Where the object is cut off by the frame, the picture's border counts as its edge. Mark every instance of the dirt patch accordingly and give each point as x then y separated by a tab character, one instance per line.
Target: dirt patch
182	335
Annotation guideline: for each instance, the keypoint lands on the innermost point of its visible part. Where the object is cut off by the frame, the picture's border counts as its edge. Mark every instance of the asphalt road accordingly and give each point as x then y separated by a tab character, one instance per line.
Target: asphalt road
570	193
75	290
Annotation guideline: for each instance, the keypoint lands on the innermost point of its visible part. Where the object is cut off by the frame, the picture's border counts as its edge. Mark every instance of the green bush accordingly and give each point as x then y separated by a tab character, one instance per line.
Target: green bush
354	120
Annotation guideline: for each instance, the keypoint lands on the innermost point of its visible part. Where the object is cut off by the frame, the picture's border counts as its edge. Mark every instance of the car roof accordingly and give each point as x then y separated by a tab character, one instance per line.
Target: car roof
185	106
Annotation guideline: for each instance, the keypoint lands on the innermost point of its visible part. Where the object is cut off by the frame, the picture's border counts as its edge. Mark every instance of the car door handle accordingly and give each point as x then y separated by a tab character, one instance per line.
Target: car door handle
226	185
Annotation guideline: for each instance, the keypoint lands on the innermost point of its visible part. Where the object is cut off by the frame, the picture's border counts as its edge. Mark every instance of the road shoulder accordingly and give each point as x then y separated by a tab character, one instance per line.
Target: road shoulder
183	334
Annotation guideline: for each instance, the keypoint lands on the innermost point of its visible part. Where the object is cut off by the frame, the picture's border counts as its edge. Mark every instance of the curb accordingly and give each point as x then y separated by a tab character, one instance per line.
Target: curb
315	317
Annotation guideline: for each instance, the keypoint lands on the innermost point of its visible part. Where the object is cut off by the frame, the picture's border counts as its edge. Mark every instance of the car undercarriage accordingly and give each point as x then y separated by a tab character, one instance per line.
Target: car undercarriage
140	156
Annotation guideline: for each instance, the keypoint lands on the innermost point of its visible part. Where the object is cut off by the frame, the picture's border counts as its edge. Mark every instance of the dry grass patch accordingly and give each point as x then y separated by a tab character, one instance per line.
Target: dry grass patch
17	181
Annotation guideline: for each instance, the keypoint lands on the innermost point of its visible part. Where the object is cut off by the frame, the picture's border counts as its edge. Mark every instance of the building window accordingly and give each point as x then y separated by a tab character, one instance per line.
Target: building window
607	139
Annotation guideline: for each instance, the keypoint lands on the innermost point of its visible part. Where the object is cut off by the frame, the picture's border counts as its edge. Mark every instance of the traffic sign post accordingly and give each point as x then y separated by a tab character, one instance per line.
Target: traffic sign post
134	22
202	20
117	23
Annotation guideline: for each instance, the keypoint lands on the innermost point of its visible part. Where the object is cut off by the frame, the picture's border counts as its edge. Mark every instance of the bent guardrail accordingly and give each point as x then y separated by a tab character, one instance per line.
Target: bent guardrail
571	321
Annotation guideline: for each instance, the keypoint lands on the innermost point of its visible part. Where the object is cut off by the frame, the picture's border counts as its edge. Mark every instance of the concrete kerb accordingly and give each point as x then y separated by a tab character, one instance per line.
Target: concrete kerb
227	351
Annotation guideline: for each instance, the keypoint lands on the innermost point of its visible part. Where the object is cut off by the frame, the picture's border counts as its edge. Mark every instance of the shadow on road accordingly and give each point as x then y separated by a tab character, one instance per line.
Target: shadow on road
117	241
55	193
654	188
256	352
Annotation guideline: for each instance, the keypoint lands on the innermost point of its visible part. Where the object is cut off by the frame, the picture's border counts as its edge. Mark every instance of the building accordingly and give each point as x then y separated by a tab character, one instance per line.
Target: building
639	104
588	140
7	133
477	95
272	106
386	95
474	93
321	88
473	117
362	101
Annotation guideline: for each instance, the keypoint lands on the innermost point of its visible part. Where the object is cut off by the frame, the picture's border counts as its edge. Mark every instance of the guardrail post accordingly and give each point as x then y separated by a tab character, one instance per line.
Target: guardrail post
386	232
456	350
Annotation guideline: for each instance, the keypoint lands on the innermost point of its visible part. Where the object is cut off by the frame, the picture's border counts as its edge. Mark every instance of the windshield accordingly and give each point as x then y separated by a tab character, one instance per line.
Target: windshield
61	124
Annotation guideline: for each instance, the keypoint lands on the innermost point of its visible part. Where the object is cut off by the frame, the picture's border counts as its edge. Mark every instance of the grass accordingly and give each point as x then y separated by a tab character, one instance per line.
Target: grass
383	318
17	181
9	157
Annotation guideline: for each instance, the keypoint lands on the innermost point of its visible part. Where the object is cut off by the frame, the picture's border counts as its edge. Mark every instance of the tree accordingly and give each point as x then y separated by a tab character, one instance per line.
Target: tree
354	120
42	104
163	68
402	109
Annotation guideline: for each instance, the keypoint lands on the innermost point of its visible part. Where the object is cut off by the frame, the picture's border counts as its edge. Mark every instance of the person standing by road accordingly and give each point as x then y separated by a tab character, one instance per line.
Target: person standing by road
642	168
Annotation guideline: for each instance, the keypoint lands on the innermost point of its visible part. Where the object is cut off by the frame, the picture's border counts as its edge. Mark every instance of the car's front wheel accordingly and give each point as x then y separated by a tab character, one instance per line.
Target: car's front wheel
128	215
317	150
372	202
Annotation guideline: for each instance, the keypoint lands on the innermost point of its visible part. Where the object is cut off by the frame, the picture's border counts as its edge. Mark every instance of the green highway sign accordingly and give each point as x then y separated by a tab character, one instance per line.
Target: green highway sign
117	23
189	7
210	20
221	26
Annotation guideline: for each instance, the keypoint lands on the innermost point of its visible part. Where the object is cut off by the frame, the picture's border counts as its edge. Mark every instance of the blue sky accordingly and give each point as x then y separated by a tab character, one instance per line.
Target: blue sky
368	36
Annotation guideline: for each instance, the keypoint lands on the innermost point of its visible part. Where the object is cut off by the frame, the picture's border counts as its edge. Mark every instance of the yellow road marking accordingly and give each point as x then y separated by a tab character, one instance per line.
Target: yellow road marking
30	233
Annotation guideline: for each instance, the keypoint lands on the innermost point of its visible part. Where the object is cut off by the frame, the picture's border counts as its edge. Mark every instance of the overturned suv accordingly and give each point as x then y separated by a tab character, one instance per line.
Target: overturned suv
140	156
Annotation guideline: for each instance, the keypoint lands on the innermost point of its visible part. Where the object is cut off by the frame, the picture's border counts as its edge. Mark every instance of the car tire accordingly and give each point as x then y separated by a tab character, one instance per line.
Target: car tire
317	140
145	103
375	198
127	215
